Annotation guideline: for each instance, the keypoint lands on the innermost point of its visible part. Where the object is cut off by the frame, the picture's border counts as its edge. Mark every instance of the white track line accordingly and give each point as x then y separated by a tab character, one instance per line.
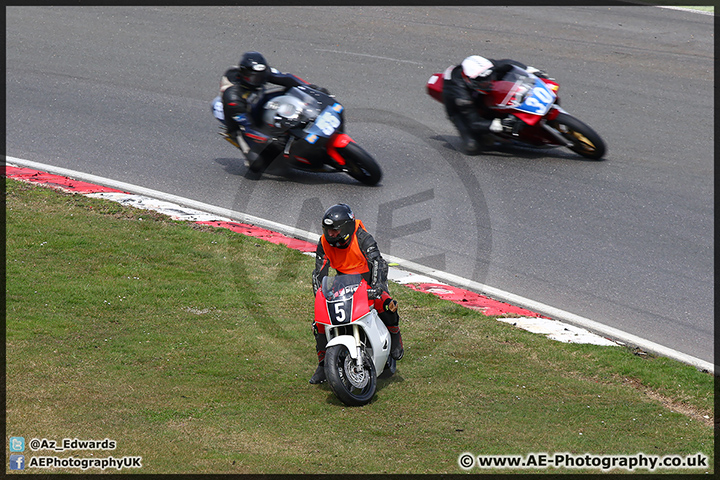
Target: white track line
549	311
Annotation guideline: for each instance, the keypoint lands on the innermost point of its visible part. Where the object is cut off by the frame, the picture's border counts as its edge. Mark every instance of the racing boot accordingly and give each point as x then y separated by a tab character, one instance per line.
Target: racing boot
231	137
259	162
320	345
319	375
256	163
470	144
396	350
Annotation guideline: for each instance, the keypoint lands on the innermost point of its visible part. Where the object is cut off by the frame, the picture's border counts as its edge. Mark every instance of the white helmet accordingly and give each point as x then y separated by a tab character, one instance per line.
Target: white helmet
475	71
476	66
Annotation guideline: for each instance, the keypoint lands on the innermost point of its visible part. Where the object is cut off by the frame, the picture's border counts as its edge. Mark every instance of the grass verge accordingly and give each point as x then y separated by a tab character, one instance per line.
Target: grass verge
191	347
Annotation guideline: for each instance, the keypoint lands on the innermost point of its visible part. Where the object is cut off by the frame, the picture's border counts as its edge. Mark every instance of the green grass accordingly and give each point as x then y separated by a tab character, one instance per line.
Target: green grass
191	347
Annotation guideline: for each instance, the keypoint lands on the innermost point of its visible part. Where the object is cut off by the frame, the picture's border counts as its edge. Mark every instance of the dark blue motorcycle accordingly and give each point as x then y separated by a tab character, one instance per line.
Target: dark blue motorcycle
305	126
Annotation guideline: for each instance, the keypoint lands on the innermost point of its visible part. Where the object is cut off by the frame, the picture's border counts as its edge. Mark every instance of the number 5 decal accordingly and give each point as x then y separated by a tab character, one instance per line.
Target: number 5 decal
340	312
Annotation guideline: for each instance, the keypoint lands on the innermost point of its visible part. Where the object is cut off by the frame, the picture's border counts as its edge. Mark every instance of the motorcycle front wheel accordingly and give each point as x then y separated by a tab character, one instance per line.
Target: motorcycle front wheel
353	385
360	164
584	140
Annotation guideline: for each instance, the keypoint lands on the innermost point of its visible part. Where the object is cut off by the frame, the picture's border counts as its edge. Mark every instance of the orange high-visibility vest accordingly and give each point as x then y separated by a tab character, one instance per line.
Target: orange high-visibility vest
349	260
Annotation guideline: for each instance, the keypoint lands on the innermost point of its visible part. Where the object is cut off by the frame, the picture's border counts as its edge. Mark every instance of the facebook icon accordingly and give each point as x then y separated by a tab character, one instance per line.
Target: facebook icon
17	462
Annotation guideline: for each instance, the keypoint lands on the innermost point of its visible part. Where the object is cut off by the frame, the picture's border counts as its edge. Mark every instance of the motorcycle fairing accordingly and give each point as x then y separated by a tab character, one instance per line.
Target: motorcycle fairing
435	86
536	101
325	124
343	301
340	311
523	94
339	141
256	139
528	101
218	109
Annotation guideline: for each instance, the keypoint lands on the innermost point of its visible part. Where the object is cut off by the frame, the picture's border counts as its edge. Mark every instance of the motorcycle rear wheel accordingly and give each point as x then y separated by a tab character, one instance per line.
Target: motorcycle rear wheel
360	164
344	382
584	140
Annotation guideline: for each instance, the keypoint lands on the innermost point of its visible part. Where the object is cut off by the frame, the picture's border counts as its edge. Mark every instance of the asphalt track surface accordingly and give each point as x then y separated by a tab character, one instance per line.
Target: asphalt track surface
124	93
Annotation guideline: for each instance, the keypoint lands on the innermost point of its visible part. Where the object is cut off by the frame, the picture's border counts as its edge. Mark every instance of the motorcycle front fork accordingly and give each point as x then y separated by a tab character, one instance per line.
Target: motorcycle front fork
554	133
356	334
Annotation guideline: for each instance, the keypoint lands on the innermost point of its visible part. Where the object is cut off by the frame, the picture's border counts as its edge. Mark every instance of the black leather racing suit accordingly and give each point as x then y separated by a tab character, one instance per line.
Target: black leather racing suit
466	107
239	99
376	276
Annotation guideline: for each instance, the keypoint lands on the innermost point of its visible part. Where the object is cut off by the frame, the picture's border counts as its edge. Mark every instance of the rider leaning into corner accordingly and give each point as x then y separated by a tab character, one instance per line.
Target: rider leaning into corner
464	91
346	246
241	88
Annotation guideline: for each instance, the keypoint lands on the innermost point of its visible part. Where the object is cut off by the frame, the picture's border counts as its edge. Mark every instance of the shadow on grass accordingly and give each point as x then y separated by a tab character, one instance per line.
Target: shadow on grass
382	382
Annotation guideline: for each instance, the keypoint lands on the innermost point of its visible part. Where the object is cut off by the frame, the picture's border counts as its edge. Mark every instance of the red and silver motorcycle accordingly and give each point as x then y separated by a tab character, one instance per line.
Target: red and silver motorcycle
533	100
358	348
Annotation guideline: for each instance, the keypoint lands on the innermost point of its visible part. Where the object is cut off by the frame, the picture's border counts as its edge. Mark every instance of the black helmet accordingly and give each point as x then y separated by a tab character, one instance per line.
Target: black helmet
253	69
338	225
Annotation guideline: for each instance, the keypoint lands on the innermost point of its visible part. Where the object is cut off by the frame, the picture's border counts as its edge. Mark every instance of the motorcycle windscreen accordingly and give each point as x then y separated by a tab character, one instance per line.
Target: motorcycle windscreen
522	92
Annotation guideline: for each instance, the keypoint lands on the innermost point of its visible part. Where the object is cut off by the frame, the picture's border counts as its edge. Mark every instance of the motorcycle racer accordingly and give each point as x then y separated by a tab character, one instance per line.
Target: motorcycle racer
346	246
466	86
241	89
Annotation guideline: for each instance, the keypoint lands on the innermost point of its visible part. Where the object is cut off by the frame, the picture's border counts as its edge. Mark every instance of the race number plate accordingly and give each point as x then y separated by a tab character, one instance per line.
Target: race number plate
539	100
325	124
340	312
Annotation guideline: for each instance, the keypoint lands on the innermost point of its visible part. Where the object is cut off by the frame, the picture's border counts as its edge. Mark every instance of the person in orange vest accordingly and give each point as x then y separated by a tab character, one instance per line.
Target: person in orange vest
346	246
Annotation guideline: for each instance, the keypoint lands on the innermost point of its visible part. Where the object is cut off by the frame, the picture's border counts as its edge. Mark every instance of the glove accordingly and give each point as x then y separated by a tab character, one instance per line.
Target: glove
506	125
537	72
390	305
319	89
316	282
496	126
374	293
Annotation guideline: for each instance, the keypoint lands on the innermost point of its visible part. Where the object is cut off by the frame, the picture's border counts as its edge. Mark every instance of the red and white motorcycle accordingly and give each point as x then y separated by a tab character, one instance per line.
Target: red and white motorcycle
533	100
358	348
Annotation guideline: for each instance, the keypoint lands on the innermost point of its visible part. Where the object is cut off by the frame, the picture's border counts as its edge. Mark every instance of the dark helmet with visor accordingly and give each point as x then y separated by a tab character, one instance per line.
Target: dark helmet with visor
253	69
338	225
